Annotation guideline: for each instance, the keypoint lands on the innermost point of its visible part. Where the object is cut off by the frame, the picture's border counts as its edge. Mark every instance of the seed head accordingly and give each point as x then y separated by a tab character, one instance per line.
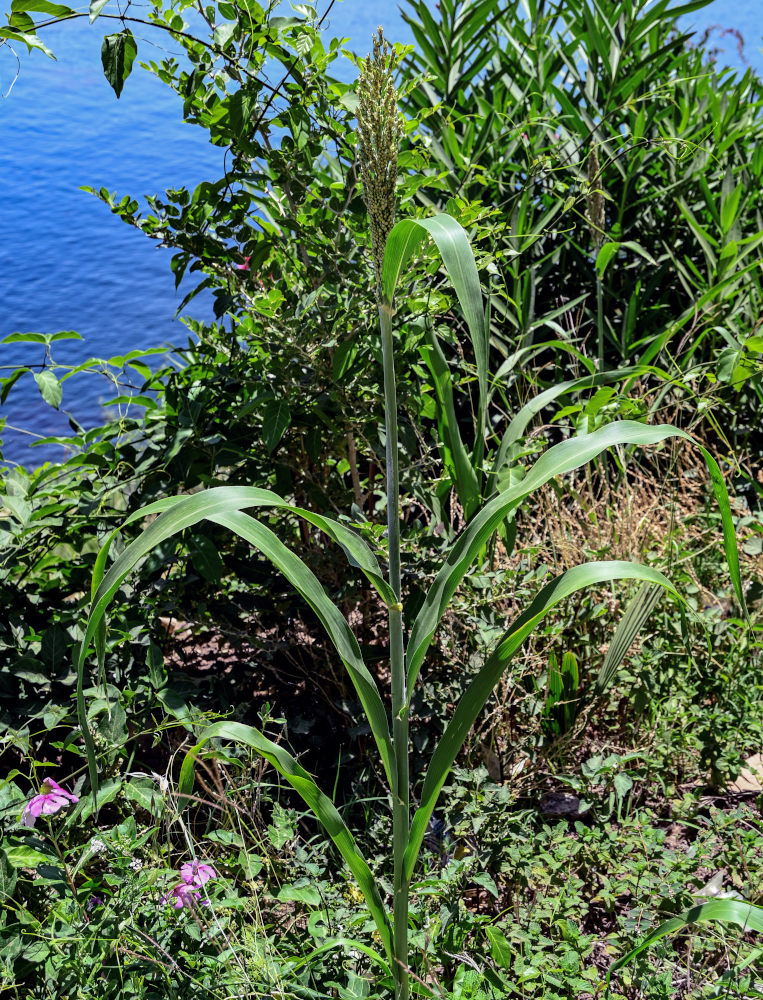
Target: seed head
379	132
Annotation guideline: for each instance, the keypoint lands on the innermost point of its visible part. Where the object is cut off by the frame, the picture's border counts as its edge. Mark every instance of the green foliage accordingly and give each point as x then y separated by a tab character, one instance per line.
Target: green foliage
581	109
534	109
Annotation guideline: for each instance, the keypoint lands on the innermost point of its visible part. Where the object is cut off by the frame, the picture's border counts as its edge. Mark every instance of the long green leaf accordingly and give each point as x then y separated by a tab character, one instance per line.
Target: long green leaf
519	422
357	551
557	461
723	911
320	804
455	455
634	619
305	582
453	245
178	513
476	695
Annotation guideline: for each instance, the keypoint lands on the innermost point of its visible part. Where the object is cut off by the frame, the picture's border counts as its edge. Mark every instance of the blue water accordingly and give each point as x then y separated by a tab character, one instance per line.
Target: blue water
66	263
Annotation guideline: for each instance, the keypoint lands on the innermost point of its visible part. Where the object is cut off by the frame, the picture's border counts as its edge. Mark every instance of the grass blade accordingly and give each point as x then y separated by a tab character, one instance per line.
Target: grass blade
557	461
476	695
634	619
723	911
178	513
306	583
320	804
453	245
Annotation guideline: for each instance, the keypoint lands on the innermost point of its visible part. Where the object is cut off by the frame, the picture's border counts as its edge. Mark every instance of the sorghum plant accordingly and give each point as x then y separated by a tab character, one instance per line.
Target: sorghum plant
393	247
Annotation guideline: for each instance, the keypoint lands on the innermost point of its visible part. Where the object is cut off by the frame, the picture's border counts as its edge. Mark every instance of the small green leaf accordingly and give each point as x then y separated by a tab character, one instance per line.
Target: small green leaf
276	417
118	53
41	7
50	387
500	949
96	6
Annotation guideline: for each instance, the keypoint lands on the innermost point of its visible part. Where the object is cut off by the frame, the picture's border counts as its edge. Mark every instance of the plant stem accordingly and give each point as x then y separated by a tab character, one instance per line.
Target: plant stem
400	793
600	322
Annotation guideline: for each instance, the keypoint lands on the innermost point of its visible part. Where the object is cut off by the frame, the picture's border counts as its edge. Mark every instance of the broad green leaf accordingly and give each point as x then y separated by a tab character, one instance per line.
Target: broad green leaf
557	461
332	619
50	387
41	7
477	694
53	647
307	894
25	338
24	856
64	335
118	53
320	804
723	911
29	668
28	38
500	949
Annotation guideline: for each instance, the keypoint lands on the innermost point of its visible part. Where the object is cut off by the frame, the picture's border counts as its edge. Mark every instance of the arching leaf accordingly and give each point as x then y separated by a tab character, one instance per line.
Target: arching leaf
476	695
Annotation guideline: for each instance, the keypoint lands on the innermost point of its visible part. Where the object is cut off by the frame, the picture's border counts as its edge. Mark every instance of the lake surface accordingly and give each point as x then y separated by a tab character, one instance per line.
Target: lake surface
67	263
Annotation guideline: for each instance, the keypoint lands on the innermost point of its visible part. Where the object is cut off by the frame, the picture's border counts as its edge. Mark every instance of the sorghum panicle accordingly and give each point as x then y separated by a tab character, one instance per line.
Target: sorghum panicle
379	132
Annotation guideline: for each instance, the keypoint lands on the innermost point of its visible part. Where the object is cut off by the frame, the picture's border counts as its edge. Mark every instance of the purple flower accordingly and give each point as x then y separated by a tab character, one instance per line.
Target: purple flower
182	895
194	873
52	797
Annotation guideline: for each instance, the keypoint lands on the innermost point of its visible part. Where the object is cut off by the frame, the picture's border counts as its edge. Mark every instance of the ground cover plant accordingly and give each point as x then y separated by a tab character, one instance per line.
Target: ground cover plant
178	865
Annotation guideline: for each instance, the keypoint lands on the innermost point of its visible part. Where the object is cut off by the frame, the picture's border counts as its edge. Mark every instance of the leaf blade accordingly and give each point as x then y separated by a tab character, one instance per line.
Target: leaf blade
479	690
322	807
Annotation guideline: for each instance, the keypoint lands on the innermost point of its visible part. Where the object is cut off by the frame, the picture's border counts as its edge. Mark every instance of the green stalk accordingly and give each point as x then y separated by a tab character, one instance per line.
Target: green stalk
600	321
400	793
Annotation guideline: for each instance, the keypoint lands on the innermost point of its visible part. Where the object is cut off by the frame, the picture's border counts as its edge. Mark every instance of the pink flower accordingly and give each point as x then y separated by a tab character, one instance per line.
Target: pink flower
245	265
194	873
52	797
182	895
